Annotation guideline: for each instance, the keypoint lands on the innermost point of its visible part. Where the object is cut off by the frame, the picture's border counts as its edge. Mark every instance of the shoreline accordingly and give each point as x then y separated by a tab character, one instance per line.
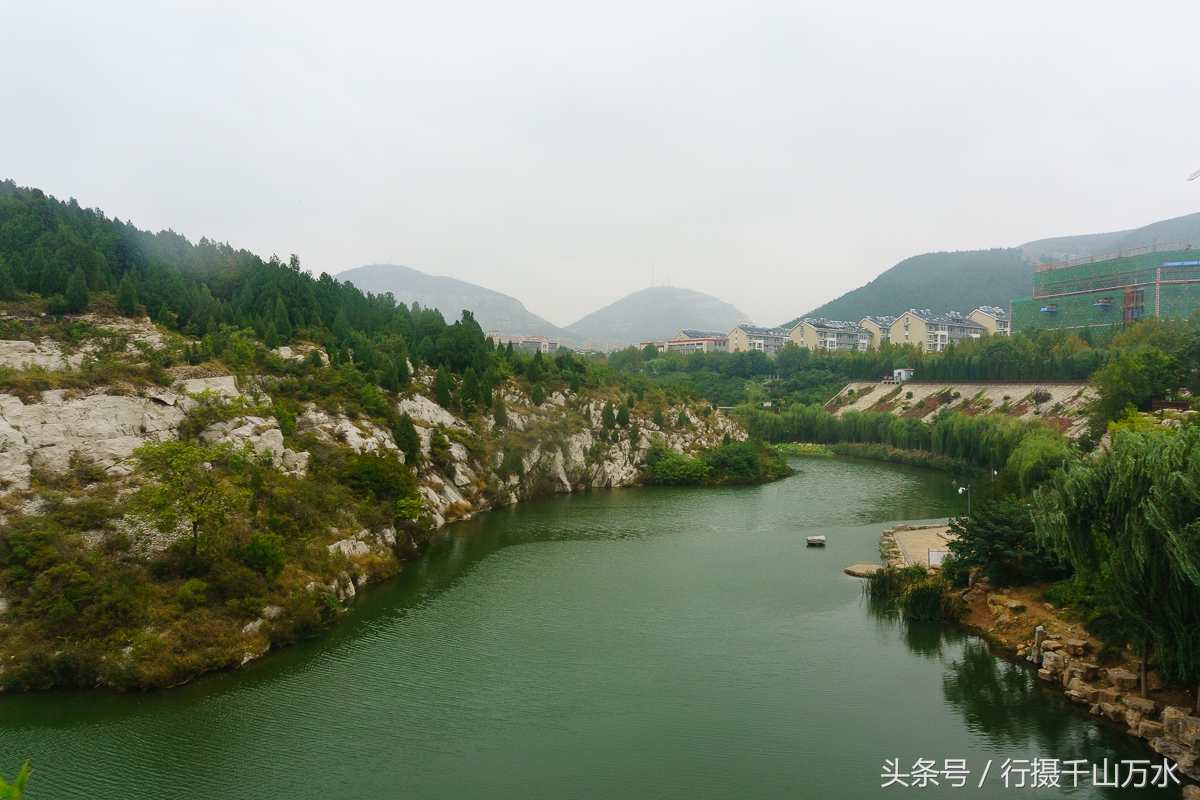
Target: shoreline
1020	626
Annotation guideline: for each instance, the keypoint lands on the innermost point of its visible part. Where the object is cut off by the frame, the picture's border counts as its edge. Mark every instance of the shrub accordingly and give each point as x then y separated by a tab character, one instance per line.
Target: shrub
192	594
264	552
999	538
511	464
405	434
668	467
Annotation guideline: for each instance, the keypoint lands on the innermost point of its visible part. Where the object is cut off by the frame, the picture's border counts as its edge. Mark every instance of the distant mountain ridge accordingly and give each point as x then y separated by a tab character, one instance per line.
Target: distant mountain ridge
657	313
964	280
1178	229
451	296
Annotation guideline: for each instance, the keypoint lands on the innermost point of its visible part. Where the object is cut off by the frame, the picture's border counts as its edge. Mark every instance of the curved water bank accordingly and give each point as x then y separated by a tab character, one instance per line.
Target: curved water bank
649	643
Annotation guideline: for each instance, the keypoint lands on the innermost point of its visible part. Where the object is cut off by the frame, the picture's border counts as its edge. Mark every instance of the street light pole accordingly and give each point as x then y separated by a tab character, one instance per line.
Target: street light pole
967	489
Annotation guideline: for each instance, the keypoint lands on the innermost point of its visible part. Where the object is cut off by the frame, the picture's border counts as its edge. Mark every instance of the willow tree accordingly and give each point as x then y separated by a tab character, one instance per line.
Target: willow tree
1127	523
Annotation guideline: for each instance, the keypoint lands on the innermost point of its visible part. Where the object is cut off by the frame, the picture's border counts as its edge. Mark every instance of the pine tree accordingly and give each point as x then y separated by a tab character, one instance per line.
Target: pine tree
387	377
470	390
271	336
575	384
405	434
403	376
486	385
53	280
607	417
537	397
442	386
683	419
77	291
623	416
343	355
629	402
8	291
499	412
39	266
508	353
341	325
282	325
532	373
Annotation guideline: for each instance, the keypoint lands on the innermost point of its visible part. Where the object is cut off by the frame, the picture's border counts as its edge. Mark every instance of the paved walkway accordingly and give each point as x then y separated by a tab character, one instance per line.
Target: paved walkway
915	545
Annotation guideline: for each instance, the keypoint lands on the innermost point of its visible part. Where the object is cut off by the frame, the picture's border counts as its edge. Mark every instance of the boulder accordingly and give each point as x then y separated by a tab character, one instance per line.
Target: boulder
1113	711
1124	679
862	570
1075	647
1148	729
1144	706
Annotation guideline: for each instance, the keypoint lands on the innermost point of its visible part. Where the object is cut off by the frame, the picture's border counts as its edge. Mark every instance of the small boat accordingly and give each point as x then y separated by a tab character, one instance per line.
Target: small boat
816	541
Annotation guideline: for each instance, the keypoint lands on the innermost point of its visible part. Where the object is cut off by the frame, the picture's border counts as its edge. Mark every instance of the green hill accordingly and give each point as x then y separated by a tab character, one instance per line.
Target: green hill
958	281
964	280
657	313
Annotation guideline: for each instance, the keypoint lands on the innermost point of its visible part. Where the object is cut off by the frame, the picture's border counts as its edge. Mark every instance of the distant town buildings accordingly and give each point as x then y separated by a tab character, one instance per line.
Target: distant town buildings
765	340
932	332
995	320
690	341
830	334
531	344
925	330
880	329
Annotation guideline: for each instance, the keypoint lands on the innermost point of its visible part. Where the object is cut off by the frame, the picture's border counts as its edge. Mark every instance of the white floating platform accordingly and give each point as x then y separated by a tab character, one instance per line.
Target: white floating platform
815	541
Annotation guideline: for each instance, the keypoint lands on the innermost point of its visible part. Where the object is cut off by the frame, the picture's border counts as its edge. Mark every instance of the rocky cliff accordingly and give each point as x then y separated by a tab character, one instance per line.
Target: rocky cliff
144	603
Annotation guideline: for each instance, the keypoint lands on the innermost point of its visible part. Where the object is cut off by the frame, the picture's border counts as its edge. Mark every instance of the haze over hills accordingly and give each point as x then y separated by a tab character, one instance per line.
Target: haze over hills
1179	229
492	309
654	313
964	280
657	313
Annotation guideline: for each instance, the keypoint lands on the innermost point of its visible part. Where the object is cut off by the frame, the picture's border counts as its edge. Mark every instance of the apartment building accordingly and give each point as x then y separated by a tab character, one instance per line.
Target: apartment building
932	332
766	340
879	327
690	340
995	320
830	334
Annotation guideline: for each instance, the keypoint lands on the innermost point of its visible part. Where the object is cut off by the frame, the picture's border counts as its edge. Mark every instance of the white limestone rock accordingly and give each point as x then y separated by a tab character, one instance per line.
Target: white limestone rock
422	409
263	436
338	429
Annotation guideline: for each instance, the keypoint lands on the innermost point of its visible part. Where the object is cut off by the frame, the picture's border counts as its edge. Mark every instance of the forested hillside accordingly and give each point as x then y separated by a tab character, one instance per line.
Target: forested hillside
63	251
451	296
942	282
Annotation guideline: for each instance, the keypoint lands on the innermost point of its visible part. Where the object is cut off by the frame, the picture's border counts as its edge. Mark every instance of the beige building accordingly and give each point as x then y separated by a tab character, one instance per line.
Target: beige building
830	334
766	340
932	332
690	340
995	320
879	327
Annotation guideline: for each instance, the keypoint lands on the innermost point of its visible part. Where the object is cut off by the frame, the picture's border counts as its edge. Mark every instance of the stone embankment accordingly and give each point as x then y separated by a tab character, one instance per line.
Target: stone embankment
1017	620
1115	694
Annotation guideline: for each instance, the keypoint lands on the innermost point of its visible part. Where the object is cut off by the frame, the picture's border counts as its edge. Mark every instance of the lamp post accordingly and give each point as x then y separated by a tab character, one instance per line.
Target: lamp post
966	489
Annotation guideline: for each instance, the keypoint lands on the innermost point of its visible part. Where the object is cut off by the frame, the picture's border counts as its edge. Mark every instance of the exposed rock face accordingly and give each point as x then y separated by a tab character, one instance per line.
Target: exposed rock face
46	354
264	436
422	409
97	428
360	436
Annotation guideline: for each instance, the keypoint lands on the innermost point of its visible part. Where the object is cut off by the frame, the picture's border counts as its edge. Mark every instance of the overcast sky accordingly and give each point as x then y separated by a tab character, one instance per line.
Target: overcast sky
775	155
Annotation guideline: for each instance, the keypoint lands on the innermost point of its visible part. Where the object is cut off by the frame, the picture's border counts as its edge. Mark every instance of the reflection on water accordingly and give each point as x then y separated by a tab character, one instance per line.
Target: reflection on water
648	643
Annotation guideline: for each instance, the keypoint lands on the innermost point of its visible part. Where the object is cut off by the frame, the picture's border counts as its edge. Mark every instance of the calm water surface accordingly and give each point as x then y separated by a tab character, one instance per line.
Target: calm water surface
627	644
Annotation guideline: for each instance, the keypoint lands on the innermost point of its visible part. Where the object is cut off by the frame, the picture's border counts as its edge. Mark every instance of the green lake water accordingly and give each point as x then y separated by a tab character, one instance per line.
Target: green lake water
639	643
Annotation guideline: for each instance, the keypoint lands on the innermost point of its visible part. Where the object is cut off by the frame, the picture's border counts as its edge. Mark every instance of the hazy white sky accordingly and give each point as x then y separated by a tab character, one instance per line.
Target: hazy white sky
773	154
